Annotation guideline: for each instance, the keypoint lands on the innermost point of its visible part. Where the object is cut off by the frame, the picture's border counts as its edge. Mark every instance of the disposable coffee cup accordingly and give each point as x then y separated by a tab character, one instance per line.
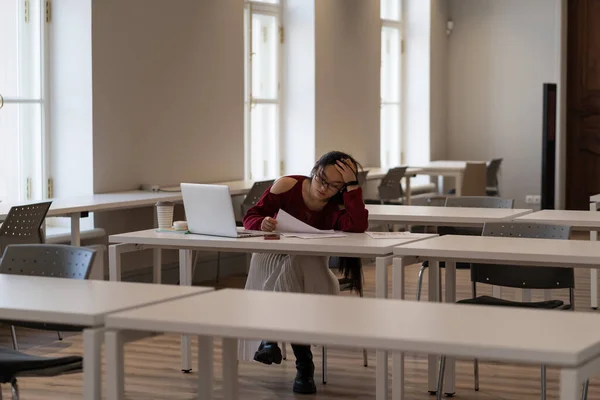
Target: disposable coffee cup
164	213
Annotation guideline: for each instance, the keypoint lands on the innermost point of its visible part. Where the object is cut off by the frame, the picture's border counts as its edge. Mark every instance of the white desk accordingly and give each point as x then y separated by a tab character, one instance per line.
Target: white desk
453	169
508	335
353	245
577	220
441	216
80	303
487	249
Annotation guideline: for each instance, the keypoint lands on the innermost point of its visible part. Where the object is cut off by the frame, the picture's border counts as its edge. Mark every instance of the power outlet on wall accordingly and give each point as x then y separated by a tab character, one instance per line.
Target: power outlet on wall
533	199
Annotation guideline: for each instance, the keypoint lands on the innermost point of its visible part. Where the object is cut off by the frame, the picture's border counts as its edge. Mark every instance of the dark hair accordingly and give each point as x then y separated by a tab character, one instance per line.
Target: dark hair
332	158
350	267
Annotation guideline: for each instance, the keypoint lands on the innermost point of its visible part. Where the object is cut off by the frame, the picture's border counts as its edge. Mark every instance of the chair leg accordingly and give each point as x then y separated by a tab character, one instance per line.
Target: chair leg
476	373
15	389
420	281
440	385
584	392
283	351
543	396
59	335
365	358
13	334
324	364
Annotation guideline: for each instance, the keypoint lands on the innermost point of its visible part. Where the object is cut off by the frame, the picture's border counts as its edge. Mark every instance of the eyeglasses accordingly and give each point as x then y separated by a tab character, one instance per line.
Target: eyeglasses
328	186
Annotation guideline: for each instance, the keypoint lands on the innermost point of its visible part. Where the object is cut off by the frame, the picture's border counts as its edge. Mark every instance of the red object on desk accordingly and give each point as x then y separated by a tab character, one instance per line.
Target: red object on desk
272	236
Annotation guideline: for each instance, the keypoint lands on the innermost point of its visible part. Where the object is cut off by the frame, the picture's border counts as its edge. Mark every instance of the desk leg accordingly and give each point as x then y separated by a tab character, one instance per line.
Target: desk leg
459	183
205	367
230	369
398	292
115	366
594	272
75	230
450	377
157	258
185	279
114	262
408	191
569	384
432	362
381	288
92	363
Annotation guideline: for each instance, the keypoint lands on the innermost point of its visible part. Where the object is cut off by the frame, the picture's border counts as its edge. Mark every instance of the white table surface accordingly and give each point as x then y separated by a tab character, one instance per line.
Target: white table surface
354	244
506	250
511	335
578	220
438	216
421	326
444	165
78	302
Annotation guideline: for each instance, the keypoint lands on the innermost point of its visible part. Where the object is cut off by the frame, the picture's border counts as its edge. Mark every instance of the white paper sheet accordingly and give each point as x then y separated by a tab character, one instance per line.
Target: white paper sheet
288	225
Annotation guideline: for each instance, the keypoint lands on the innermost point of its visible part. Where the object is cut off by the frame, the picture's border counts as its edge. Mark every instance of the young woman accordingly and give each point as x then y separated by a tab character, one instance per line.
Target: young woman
330	198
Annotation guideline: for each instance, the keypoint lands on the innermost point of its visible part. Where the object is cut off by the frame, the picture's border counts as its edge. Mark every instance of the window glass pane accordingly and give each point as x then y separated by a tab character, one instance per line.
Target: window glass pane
390	64
20	142
390	135
263	141
264	59
390	9
20	50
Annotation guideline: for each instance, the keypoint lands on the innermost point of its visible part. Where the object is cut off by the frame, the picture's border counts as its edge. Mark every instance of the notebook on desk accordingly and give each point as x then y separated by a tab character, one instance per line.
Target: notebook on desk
209	211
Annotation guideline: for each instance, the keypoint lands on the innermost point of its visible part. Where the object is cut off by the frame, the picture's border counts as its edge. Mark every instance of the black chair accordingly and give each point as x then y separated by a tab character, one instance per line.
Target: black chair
14	364
520	277
492	182
23	224
255	193
390	189
464	201
50	260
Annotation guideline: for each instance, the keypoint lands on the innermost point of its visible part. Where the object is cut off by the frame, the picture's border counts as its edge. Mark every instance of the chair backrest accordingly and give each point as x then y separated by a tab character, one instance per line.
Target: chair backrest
479	202
255	193
50	260
391	187
474	179
361	177
525	277
493	169
23	224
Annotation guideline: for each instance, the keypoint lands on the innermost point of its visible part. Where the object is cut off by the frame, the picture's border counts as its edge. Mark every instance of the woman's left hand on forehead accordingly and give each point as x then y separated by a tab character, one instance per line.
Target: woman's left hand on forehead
347	170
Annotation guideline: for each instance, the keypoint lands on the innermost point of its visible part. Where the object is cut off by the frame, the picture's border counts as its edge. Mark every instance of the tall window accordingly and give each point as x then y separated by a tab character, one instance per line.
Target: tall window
263	38
391	64
22	101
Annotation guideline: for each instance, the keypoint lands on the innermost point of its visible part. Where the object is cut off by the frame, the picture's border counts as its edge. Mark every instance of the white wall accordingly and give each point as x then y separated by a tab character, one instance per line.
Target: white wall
439	80
348	62
71	98
168	92
500	54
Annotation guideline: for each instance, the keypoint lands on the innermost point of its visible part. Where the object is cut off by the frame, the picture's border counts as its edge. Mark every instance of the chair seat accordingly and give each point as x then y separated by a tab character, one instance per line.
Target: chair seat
14	364
346	284
494	301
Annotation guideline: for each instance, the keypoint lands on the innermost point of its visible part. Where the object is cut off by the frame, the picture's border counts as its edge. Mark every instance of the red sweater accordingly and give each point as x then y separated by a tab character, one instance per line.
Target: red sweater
353	217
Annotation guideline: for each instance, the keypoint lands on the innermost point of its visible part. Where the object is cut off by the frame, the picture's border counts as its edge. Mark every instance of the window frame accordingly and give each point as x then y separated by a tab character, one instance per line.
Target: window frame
399	26
273	9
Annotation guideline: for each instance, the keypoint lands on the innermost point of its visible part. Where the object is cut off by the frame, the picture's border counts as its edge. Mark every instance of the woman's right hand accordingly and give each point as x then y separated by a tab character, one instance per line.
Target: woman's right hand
268	224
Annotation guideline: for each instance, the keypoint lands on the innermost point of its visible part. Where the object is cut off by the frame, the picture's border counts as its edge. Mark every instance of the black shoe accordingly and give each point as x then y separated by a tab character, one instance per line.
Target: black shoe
304	384
268	353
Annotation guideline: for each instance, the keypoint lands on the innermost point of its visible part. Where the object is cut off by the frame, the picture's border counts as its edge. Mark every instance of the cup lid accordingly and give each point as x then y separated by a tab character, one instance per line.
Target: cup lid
164	203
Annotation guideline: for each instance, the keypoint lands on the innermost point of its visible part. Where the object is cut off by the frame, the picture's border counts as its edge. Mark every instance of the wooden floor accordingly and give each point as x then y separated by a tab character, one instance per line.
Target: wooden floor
152	365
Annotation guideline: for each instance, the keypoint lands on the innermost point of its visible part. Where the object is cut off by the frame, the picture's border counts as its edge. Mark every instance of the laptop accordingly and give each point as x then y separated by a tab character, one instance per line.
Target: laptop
209	211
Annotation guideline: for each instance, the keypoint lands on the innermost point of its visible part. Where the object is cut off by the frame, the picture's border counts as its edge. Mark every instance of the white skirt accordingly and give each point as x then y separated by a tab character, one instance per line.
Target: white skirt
285	273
